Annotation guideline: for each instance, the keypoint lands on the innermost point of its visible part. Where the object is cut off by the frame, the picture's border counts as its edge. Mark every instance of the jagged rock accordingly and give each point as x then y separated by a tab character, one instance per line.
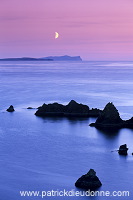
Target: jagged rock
75	109
109	117
72	109
88	181
54	109
123	149
11	109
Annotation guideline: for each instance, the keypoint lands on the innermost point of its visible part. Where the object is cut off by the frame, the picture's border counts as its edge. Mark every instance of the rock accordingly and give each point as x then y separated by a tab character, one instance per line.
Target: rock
88	181
75	109
128	123
72	109
95	112
54	109
29	108
123	149
11	109
109	117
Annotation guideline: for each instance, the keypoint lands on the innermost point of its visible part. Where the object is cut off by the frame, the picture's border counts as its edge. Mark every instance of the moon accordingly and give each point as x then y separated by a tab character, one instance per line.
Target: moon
56	35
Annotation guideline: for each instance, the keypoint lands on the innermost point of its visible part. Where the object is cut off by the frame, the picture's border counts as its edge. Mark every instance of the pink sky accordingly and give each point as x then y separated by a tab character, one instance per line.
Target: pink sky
93	29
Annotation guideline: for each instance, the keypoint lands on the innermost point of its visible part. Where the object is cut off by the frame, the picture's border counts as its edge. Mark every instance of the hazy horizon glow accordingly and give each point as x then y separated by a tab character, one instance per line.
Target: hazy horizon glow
95	30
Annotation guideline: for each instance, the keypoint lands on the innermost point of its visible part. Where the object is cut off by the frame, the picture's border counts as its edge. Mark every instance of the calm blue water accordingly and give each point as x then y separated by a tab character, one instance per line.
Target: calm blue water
52	153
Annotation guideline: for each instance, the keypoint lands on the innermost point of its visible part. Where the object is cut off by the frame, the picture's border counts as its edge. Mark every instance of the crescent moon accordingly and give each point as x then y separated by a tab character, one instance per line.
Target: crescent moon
56	35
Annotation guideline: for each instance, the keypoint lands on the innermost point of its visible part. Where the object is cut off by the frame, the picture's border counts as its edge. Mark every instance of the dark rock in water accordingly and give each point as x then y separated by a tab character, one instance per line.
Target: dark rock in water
54	109
72	109
95	112
123	149
109	117
75	109
88	181
11	109
29	108
128	123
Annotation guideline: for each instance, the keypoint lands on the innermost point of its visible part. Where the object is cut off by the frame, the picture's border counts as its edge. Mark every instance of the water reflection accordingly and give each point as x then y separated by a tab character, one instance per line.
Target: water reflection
109	133
72	120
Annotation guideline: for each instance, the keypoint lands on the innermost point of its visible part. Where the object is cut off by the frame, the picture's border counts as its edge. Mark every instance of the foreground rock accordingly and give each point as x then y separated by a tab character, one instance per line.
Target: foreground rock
11	109
88	181
123	149
72	109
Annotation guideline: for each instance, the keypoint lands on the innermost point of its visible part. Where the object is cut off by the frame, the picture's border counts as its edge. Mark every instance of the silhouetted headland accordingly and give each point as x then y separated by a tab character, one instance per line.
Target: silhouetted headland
25	59
64	58
49	58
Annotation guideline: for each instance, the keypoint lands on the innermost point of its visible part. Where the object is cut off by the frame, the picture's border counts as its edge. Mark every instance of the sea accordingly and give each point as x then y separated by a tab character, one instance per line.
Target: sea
41	155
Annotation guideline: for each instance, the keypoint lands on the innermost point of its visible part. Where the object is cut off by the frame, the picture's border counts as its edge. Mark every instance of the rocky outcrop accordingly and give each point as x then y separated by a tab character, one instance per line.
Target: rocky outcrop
88	181
72	109
11	109
54	109
123	149
109	117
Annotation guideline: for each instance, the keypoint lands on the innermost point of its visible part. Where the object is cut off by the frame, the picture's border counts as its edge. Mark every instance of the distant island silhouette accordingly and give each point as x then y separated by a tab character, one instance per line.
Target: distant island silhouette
64	58
49	58
25	59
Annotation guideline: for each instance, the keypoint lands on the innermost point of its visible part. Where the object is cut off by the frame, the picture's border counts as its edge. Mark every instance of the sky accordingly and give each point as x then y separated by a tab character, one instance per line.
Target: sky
92	29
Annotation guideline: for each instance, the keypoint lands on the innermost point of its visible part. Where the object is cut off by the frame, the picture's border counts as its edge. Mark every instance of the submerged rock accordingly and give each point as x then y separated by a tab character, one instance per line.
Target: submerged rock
11	109
88	181
123	149
109	117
